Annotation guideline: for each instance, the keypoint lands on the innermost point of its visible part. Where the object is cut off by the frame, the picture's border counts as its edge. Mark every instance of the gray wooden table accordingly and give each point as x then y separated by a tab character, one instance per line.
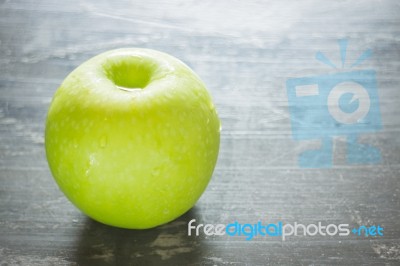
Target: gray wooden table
244	51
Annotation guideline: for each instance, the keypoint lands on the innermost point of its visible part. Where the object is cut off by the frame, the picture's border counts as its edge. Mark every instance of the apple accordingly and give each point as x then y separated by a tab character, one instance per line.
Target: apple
132	138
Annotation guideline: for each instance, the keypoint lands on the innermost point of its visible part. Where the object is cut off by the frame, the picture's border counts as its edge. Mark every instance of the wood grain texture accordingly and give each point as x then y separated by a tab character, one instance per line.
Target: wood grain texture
244	51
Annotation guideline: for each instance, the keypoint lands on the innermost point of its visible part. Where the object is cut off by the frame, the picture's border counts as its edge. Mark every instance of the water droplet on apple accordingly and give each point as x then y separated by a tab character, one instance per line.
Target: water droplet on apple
103	142
155	172
75	143
211	106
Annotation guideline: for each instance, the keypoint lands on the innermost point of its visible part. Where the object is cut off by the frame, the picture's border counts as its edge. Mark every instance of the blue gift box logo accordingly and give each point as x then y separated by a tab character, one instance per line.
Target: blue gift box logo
340	104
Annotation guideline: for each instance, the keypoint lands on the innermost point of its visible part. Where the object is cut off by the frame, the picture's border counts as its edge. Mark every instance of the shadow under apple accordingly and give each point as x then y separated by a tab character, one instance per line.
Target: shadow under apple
168	244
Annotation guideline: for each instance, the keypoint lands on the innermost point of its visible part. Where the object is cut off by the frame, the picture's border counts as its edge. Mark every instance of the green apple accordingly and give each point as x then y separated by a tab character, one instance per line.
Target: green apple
132	138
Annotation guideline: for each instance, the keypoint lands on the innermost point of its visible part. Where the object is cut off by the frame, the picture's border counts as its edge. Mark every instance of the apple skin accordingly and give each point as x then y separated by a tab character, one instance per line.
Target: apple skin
132	138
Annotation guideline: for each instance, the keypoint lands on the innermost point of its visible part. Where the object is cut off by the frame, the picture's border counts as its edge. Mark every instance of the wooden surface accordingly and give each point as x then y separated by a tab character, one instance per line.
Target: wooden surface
244	51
